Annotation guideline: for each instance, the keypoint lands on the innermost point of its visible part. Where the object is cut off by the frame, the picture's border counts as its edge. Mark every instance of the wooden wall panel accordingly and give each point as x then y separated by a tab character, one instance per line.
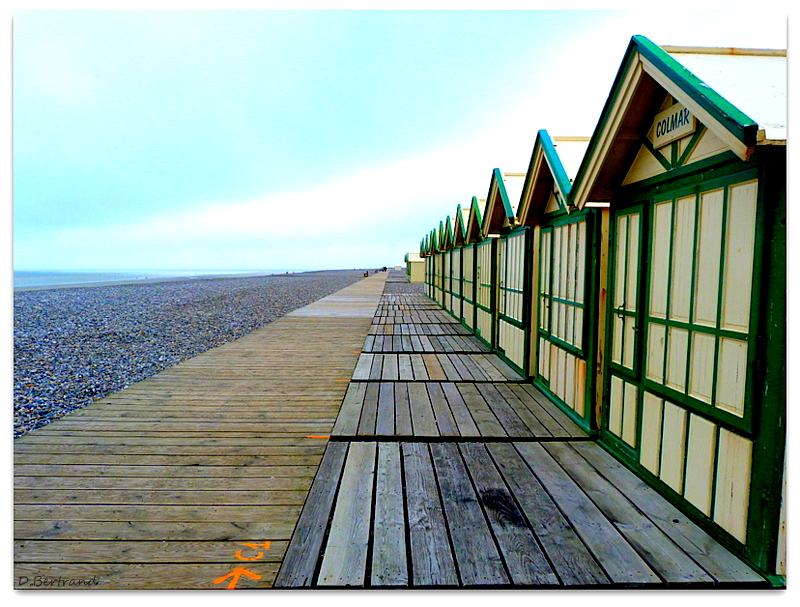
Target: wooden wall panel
650	453
682	259
733	484
732	375
709	242
739	243
701	369
700	452
673	446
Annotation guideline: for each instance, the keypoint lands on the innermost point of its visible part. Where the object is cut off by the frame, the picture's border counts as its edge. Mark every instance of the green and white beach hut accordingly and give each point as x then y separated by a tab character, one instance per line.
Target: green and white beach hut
689	154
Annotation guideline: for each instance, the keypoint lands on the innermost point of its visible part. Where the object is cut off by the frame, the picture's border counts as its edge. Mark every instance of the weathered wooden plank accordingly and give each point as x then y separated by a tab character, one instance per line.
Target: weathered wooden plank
402	408
165	471
460	369
556	422
661	554
138	576
147	551
376	369
388	559
345	559
405	370
385	423
300	562
390	368
532	422
484	418
423	419
572	561
124	530
461	414
524	558
418	364
190	497
719	562
505	414
432	562
479	562
151	512
444	417
619	560
434	367
369	410
350	412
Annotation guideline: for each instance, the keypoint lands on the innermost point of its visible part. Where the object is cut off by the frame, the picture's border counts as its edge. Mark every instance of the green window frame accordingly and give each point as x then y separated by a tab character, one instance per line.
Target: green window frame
689	314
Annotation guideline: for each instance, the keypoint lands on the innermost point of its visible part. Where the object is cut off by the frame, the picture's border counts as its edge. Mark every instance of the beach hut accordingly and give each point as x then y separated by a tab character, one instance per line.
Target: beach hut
689	154
472	235
457	262
563	301
509	306
415	267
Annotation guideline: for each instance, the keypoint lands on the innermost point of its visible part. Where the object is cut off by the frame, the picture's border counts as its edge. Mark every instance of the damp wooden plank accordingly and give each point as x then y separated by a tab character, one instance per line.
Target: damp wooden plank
432	562
301	557
479	562
345	557
389	565
527	564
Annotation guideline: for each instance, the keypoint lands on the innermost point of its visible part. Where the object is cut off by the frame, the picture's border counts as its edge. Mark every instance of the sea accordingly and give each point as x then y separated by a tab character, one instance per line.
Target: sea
57	278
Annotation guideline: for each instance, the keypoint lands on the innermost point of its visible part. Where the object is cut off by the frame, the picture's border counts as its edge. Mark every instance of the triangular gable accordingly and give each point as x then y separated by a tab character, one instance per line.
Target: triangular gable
460	226
446	230
500	214
647	75
474	223
547	183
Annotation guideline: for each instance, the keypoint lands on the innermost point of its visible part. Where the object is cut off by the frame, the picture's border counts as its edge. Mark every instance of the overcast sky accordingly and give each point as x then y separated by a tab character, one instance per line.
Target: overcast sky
297	140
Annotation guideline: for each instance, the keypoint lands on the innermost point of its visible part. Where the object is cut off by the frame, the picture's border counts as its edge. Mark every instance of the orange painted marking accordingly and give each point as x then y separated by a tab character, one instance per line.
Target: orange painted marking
317	436
356	351
235	575
264	545
341	380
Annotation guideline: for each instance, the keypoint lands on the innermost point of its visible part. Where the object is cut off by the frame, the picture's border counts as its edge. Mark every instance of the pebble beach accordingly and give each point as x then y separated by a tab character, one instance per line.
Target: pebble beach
73	346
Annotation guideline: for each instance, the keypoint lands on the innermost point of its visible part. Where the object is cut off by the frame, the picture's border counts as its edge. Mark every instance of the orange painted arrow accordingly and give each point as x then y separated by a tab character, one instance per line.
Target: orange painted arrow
235	575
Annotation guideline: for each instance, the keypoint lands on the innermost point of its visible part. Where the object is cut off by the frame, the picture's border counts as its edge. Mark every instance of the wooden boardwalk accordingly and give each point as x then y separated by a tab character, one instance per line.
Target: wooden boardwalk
182	478
310	454
445	470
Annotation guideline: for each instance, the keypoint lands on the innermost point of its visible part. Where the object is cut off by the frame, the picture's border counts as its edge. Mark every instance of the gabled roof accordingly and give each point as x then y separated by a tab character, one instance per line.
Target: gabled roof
460	226
551	168
504	190
646	76
446	231
473	233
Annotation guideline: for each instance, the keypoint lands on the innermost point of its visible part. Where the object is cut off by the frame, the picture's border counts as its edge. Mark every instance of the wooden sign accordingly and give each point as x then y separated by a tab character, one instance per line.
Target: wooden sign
671	124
